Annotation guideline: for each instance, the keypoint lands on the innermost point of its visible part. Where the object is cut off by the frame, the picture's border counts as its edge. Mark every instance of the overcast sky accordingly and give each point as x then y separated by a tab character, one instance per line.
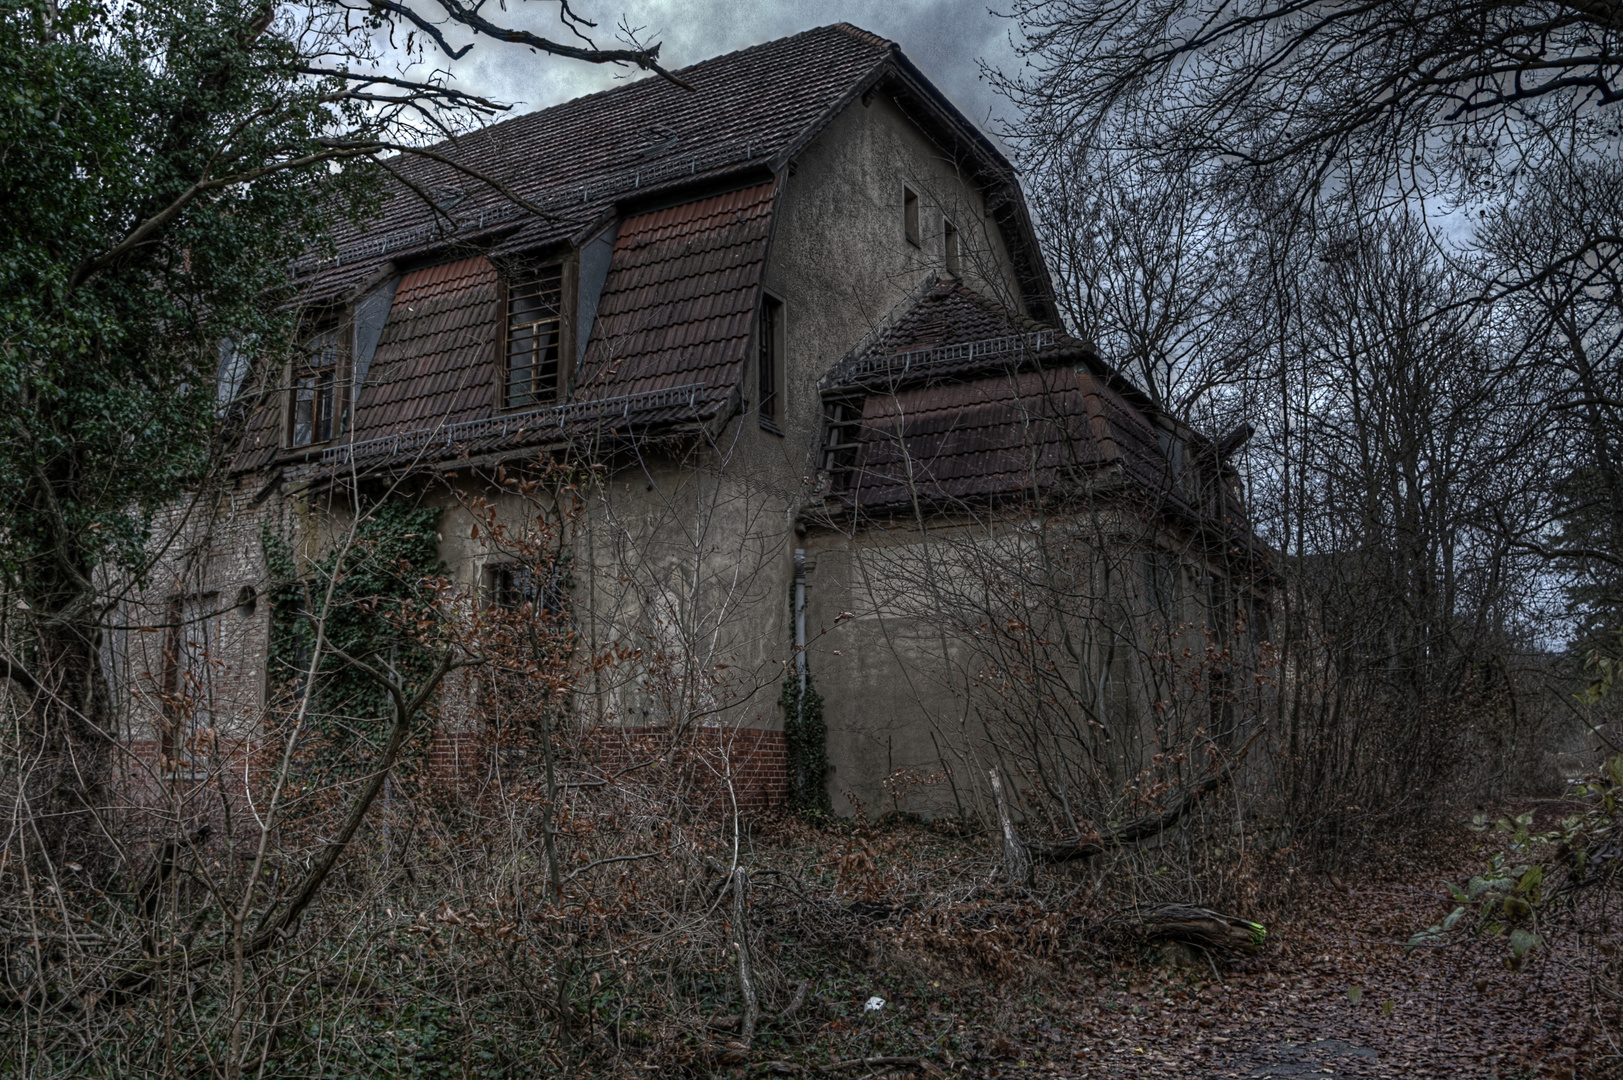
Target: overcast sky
945	38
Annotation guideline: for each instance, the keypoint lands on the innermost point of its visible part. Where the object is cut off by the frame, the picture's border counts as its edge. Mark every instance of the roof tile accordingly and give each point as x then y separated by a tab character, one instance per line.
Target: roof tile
577	158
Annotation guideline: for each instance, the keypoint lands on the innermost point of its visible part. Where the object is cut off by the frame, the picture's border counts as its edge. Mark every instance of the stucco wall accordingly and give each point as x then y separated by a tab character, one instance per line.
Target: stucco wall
841	262
682	561
942	653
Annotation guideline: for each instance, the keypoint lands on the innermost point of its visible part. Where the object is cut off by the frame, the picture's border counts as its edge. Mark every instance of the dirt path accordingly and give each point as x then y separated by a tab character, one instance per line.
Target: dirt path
1325	1000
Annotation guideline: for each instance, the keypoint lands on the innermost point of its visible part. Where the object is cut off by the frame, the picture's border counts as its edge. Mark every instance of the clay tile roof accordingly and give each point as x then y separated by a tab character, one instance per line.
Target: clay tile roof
969	441
435	362
951	332
576	159
680	298
669	343
959	402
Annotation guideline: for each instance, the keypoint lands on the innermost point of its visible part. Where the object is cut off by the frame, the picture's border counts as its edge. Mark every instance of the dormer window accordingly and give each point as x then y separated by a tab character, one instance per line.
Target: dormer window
312	416
534	327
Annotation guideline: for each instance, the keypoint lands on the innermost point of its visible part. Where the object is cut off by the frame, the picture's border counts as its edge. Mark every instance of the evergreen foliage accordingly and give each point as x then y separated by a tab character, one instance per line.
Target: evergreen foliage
807	736
380	598
115	115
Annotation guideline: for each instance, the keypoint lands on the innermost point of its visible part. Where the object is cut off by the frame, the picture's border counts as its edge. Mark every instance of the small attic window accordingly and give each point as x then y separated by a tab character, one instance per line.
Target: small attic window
910	215
312	408
534	324
949	246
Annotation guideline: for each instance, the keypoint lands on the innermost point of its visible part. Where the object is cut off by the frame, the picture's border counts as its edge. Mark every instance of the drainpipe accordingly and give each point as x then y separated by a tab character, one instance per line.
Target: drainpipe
800	627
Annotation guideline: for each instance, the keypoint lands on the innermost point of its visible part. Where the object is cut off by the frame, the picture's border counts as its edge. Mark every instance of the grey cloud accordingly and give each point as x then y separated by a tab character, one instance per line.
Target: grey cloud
945	38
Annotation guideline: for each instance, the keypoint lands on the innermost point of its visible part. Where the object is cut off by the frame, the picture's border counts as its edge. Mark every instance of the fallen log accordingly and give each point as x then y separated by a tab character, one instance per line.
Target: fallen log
1196	925
1145	828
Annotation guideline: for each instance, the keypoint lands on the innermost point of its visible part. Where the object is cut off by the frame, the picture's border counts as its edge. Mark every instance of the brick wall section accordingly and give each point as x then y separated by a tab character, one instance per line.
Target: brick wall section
153	802
456	762
756	762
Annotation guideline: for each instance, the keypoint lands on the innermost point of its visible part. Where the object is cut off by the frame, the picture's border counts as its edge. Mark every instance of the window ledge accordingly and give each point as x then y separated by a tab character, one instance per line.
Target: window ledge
770	425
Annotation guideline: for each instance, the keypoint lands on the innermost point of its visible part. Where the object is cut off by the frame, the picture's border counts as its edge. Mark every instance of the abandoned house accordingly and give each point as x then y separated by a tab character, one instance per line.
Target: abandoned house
795	326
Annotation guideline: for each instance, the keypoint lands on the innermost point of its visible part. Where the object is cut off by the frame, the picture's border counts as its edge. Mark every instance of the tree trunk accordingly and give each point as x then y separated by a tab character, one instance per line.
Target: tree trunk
1016	861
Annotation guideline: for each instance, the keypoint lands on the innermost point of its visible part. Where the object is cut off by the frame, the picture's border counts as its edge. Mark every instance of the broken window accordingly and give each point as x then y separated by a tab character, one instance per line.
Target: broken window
190	649
770	366
910	215
315	382
949	244
511	586
534	324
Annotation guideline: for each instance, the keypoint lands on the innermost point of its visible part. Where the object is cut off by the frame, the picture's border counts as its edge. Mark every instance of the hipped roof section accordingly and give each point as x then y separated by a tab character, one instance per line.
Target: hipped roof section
961	403
588	160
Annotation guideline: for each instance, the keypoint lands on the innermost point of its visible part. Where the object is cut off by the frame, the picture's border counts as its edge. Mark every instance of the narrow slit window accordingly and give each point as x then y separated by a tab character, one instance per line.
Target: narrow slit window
315	381
771	361
949	244
534	322
910	215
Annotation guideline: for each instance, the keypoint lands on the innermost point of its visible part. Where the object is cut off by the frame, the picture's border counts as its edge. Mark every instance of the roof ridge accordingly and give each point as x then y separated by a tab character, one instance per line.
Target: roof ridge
861	35
652	77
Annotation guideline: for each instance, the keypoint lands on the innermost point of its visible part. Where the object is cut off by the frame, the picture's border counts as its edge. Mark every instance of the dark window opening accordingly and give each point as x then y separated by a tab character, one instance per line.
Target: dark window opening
187	680
910	215
514	585
770	366
315	382
1172	447
949	243
534	322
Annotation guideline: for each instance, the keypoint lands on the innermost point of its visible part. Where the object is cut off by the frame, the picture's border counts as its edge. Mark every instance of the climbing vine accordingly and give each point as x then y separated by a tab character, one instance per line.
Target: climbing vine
381	600
807	736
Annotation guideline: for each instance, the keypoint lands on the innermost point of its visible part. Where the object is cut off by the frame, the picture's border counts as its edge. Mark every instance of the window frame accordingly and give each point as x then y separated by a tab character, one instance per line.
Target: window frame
546	597
1162	572
912	228
770	368
328	386
950	247
514	278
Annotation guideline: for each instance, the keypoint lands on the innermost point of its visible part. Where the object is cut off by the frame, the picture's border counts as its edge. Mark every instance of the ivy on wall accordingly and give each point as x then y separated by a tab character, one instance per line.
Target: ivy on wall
379	598
807	736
